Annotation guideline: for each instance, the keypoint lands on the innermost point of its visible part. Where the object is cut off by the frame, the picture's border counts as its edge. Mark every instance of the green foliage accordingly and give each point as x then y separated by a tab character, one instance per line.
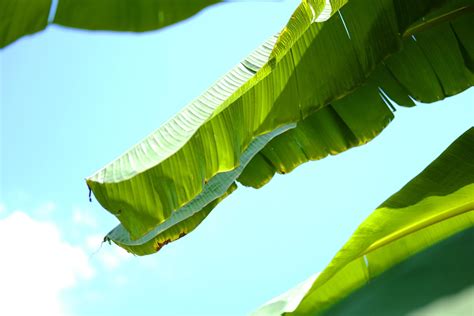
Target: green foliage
436	282
336	80
326	83
19	17
126	15
189	216
434	206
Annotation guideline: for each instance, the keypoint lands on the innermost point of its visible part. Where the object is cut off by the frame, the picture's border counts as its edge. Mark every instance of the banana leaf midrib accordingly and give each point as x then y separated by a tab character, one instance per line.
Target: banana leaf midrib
417	226
448	16
367	262
406	231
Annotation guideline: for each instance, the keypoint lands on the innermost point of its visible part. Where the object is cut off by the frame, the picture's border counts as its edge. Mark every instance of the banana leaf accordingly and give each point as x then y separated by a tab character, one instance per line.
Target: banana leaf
392	262
19	17
335	75
185	219
436	282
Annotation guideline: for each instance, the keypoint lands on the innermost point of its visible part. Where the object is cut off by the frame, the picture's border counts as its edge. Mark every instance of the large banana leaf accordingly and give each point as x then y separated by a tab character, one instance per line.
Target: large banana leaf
429	67
334	79
20	17
435	205
192	214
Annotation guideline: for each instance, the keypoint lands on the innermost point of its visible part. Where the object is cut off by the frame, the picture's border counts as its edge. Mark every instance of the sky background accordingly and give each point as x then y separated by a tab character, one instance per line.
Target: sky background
71	101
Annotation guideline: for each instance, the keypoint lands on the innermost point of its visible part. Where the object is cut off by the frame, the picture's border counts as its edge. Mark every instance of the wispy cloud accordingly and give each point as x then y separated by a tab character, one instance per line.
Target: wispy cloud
46	209
109	257
94	242
83	217
112	257
37	266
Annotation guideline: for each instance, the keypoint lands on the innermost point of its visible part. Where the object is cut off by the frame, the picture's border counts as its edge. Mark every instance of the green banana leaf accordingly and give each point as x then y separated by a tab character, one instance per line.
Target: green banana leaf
436	282
429	67
19	17
399	248
333	73
192	214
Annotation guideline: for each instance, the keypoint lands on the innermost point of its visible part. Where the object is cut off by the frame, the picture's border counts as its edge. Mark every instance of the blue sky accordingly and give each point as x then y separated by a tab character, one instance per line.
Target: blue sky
71	101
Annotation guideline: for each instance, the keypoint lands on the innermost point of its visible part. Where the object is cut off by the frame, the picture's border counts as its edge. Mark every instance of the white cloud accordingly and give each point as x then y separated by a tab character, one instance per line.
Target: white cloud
83	217
36	266
2	208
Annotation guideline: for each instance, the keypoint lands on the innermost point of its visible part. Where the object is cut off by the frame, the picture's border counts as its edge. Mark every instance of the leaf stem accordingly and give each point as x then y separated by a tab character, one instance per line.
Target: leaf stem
425	24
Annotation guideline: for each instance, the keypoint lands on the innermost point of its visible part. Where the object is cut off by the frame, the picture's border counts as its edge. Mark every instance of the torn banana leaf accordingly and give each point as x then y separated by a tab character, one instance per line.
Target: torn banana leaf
335	79
19	18
435	205
186	218
431	65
